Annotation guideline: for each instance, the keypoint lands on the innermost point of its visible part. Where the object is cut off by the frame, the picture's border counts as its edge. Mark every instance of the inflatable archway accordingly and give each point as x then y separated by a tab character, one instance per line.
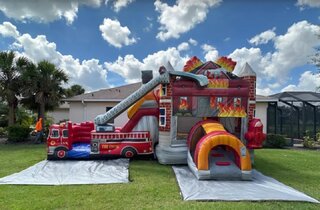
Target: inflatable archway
215	139
209	136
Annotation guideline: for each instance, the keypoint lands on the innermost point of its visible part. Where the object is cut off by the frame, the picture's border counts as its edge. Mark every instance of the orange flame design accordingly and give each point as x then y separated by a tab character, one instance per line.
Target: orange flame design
226	63
212	102
231	111
218	83
183	104
192	63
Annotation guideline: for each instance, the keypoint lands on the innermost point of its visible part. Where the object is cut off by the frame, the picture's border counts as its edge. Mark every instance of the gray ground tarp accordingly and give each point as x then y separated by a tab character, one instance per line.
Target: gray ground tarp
259	189
71	172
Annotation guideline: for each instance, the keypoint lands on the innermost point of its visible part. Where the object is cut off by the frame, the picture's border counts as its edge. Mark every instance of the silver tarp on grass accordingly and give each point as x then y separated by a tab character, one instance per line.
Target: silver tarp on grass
71	172
261	188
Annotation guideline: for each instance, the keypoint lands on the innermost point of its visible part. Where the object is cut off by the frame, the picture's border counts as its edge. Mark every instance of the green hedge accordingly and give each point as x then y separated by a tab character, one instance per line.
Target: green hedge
18	133
275	141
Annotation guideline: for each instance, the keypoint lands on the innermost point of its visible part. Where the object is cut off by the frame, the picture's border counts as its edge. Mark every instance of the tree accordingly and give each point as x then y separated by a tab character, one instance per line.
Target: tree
10	80
3	114
43	86
74	90
316	61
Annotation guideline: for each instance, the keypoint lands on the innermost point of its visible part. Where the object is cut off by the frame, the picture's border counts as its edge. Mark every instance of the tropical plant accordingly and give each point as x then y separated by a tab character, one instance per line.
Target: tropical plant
3	114
24	117
74	90
43	87
10	80
18	133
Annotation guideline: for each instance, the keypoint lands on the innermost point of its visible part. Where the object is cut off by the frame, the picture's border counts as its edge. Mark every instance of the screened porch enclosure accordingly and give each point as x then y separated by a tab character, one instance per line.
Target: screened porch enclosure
294	114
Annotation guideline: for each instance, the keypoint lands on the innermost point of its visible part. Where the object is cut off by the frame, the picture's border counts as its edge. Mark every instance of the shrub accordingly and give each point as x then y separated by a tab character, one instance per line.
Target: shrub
318	136
18	133
275	141
3	131
309	142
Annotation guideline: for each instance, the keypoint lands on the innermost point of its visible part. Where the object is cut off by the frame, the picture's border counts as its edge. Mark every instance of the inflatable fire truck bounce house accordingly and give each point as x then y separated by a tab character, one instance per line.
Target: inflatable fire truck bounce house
202	116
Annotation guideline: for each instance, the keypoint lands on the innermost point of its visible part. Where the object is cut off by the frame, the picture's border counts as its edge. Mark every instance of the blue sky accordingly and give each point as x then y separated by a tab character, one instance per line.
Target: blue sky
102	44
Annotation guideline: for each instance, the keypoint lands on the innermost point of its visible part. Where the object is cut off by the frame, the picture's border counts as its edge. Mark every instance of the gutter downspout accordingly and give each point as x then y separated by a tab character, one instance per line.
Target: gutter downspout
84	111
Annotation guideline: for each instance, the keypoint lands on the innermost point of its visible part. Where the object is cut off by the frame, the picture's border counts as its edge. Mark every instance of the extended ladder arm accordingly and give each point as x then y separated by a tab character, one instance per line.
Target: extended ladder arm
134	97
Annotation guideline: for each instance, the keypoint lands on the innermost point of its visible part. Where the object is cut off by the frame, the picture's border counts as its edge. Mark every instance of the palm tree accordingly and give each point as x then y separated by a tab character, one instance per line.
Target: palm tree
10	80
44	86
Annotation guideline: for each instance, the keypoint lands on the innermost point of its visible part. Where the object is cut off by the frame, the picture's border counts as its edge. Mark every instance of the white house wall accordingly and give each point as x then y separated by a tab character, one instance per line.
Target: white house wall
87	111
261	113
59	115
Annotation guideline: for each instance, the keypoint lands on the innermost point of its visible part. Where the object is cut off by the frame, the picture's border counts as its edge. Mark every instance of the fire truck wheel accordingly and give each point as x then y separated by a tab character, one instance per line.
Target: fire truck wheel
128	152
60	153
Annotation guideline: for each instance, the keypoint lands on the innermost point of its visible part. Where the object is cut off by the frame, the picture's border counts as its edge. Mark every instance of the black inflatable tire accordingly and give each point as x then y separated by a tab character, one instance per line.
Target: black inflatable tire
129	152
60	153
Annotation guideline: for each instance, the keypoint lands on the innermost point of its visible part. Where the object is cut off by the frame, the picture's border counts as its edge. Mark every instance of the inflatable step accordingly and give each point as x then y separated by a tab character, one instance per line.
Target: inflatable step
222	163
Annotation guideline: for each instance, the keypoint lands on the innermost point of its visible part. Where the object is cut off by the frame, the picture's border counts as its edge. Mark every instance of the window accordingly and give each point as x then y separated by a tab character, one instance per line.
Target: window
65	133
163	90
237	102
162	117
183	103
55	133
219	100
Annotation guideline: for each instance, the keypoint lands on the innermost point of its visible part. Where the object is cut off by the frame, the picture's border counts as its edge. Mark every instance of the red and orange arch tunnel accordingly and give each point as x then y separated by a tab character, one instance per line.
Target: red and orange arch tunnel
207	135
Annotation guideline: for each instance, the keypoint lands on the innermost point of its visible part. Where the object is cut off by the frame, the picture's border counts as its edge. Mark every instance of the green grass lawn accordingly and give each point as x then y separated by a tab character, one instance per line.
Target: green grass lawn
153	185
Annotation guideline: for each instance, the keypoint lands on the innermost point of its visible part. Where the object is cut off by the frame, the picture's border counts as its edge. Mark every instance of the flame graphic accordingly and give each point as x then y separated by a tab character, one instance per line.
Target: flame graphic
218	83
226	63
183	104
192	63
231	111
212	101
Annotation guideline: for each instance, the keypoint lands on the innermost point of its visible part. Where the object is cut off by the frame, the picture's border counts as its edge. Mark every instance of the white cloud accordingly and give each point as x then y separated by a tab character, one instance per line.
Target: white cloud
193	42
150	25
253	56
211	53
88	73
263	38
44	10
307	82
264	91
181	17
226	39
310	3
115	34
119	4
207	47
8	30
183	46
129	67
293	49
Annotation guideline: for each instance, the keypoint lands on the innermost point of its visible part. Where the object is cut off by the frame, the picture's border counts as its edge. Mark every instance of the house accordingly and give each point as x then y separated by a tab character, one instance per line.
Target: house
60	113
87	106
262	103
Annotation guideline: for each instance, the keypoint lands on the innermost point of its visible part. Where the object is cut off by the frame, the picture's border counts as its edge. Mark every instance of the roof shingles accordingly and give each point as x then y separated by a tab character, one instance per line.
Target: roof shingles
110	94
